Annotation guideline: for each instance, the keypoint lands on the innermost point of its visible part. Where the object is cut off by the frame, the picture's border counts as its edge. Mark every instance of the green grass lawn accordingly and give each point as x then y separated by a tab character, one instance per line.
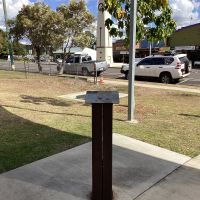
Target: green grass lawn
35	123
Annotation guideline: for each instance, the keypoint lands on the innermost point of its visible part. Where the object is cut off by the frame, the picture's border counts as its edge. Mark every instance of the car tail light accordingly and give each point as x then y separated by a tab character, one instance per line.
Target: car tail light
178	65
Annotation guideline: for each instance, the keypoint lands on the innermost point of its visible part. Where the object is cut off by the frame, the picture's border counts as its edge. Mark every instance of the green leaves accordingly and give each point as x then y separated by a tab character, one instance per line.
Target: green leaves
154	19
77	22
39	24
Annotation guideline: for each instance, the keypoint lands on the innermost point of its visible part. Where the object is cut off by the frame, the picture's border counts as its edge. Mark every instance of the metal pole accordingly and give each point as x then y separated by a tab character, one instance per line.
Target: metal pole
150	46
7	33
131	98
150	49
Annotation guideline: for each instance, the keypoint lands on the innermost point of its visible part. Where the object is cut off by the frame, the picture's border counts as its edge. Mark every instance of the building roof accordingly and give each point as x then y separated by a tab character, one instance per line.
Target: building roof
186	36
186	27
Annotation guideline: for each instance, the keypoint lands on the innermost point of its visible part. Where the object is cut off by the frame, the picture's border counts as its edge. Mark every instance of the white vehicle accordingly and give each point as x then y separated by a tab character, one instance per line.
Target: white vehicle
167	68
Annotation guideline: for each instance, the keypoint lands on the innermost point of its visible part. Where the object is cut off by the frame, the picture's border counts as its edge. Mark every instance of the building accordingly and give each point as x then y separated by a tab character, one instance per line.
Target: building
187	40
121	53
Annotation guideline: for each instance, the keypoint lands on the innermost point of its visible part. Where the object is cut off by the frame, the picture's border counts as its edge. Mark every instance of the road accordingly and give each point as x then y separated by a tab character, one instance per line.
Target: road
114	73
193	79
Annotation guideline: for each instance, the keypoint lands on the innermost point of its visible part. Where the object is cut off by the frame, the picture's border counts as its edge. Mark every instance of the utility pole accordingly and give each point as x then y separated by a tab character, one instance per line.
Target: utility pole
8	37
131	92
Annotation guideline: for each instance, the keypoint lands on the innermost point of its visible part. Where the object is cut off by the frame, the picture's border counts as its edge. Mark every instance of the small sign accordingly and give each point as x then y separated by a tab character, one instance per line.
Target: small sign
124	52
102	97
185	48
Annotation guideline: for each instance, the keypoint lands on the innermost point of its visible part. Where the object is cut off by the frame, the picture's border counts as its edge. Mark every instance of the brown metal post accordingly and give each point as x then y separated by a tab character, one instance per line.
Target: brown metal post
102	112
97	173
102	151
107	151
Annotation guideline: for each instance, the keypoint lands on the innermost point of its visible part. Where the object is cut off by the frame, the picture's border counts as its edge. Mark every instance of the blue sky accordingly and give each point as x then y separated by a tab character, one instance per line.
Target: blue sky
180	8
185	12
91	4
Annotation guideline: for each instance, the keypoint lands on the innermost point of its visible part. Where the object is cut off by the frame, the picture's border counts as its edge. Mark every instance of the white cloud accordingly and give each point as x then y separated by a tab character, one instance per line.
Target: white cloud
13	7
185	12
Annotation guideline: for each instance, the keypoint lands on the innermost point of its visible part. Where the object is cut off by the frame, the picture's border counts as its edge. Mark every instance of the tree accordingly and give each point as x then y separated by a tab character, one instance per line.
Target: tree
2	39
86	39
77	20
155	12
41	25
3	43
19	49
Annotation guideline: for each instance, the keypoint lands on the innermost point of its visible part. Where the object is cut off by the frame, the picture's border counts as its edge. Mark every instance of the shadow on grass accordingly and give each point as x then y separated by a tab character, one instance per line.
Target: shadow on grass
23	141
40	100
189	115
45	111
55	113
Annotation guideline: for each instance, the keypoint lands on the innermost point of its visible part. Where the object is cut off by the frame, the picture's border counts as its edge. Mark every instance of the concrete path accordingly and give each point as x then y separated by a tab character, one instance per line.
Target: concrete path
137	166
149	85
182	184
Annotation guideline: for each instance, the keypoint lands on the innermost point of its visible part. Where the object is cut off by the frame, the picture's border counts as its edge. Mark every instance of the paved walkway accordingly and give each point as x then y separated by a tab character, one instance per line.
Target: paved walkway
137	168
182	184
149	85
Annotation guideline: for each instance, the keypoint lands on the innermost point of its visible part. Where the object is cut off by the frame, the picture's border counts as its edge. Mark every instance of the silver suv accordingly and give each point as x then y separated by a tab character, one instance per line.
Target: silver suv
167	68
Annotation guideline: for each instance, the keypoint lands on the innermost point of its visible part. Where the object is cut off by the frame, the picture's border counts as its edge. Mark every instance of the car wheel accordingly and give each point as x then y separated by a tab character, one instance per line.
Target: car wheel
166	78
85	72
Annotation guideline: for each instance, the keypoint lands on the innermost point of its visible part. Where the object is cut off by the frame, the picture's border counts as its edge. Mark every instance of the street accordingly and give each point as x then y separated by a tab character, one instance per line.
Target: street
114	73
193	79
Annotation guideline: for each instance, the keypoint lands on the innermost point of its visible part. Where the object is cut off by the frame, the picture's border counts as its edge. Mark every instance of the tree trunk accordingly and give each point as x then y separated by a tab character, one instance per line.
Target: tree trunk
64	58
63	61
38	58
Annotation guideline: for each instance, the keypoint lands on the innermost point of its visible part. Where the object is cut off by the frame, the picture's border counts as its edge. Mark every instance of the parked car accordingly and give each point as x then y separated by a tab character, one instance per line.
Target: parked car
84	65
166	68
30	58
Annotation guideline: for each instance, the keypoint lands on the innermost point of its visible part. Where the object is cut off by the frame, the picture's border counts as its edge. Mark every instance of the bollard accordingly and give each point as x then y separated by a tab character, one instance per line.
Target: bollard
102	112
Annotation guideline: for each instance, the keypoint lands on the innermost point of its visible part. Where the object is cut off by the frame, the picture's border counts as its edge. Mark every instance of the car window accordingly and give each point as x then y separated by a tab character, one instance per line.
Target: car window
146	61
158	61
76	60
89	58
70	60
169	60
84	59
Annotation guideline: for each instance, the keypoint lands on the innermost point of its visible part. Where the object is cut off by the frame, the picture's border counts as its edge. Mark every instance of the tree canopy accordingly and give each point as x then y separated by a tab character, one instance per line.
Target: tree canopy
77	20
41	25
46	28
3	43
86	39
154	19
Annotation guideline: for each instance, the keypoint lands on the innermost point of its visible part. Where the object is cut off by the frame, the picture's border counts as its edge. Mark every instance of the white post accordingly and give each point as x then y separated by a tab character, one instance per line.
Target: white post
150	49
104	40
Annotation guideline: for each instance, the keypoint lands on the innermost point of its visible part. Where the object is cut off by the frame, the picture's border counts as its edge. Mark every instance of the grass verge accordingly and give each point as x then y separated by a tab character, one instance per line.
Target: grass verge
35	123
